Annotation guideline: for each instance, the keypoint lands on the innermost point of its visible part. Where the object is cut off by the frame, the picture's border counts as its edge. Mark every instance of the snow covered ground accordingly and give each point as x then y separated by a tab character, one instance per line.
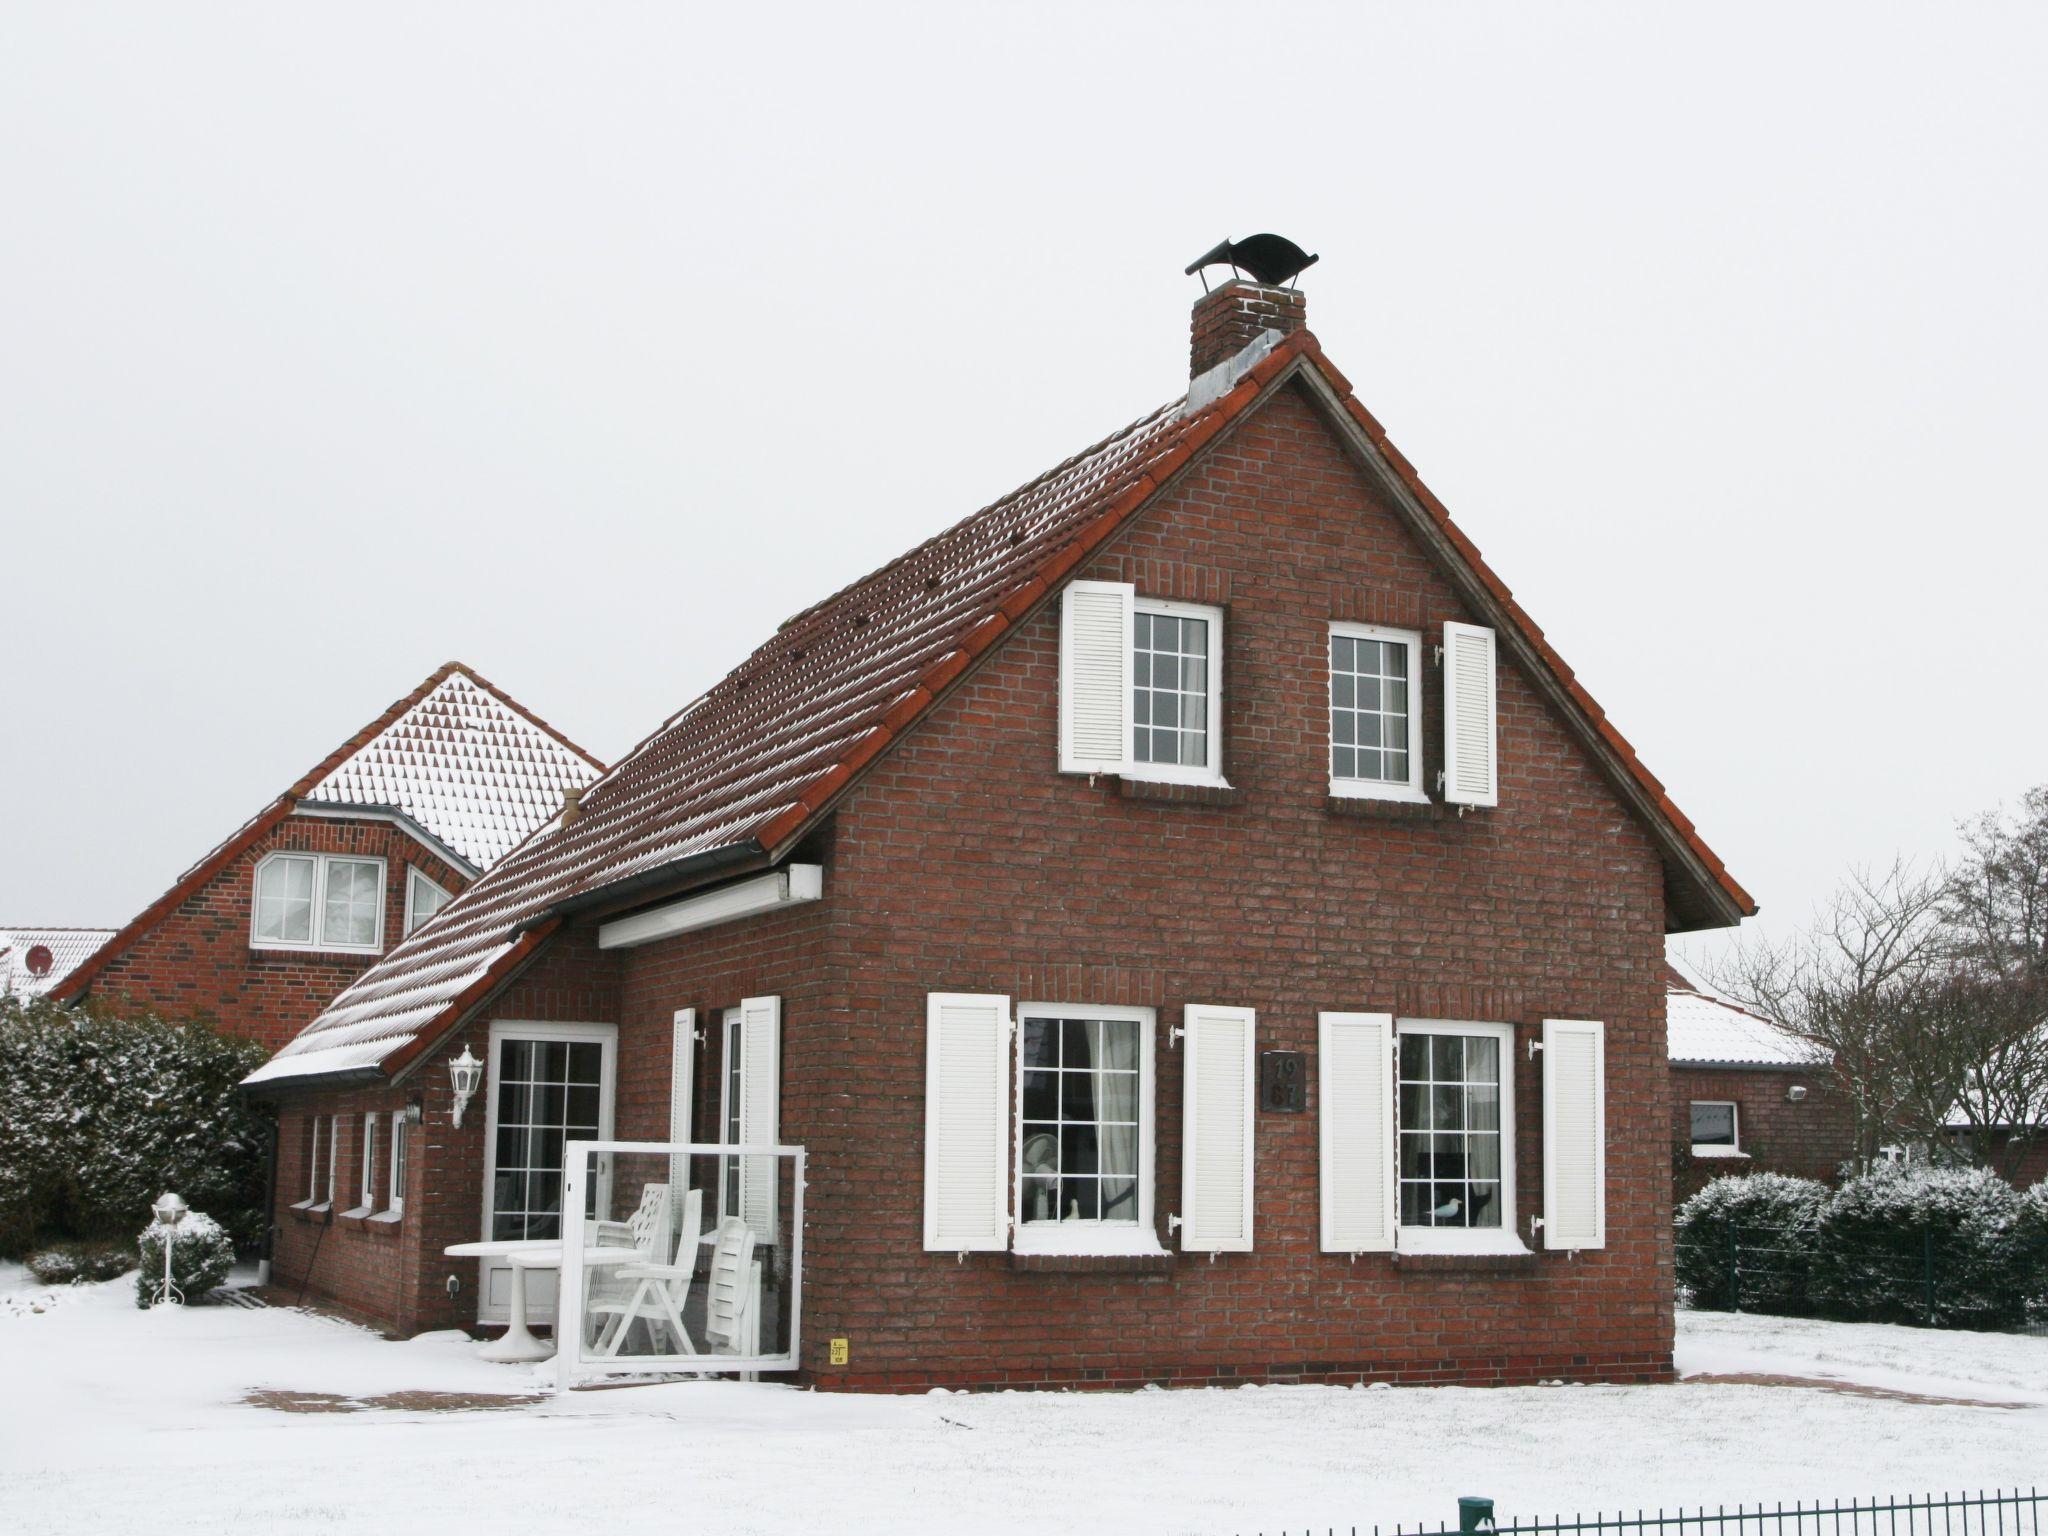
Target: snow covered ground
113	1419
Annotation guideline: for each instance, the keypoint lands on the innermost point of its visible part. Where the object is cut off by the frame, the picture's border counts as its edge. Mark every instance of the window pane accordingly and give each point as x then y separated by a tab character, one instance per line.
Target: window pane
1369	708
1414	1107
1041	1043
284	901
1170	690
1078	1200
1082	1119
1713	1125
1415	1057
1119	1199
1041	1095
1447	1058
354	897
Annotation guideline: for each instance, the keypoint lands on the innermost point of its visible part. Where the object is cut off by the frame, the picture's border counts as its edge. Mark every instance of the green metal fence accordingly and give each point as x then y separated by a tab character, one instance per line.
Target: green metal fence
2000	1513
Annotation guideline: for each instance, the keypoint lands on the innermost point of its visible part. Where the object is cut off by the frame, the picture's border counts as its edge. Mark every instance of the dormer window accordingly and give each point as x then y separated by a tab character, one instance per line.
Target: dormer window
423	899
318	901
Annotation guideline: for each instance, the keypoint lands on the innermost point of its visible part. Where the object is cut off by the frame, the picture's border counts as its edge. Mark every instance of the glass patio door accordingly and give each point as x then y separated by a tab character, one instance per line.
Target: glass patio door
550	1084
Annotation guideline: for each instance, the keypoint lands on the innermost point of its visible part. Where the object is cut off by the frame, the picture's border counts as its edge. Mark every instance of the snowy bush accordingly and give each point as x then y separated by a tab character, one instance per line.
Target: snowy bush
201	1256
2028	1258
69	1263
1920	1244
99	1115
1747	1241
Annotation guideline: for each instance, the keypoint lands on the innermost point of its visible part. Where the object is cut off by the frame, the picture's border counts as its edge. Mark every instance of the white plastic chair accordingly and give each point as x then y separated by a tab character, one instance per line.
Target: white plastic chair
658	1290
731	1316
646	1229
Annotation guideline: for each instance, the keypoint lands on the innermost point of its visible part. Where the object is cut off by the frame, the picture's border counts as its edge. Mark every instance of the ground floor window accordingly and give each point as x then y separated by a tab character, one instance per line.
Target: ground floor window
1456	1110
549	1092
1713	1126
1084	1134
395	1196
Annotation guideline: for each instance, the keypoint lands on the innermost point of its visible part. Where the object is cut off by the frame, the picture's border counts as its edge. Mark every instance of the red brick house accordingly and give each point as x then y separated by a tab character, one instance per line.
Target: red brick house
261	933
1195	925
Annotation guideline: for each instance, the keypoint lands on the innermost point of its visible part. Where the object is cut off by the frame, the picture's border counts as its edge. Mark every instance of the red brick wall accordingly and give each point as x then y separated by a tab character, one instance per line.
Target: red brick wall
1812	1138
197	962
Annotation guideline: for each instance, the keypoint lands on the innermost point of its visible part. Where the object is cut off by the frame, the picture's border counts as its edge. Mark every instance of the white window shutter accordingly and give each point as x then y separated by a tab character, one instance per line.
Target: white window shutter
1355	1119
1471	766
760	1110
1095	681
1216	1129
682	1077
967	1122
1574	1134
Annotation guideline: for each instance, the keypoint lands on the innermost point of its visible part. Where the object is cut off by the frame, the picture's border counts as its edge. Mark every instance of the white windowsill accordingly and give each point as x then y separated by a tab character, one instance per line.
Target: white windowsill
1085	1240
355	1213
1152	773
303	1205
281	947
389	1216
1497	1240
324	1205
1717	1150
1366	789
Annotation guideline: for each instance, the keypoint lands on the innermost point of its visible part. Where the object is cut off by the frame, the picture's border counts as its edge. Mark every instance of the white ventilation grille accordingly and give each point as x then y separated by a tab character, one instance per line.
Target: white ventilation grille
1216	1139
967	1122
1354	1112
1574	1134
1095	653
1470	770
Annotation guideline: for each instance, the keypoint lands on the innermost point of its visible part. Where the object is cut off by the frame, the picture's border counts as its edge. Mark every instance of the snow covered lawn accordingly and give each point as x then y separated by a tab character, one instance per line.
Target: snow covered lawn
104	1406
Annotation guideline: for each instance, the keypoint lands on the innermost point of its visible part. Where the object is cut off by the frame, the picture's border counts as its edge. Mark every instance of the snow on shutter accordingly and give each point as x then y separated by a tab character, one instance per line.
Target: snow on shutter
682	1066
1471	774
1355	1119
1095	685
1574	1134
1216	1129
760	1100
967	1122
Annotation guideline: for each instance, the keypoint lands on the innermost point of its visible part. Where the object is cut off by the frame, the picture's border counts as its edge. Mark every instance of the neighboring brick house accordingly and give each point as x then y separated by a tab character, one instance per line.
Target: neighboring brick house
1747	1097
260	934
33	960
992	881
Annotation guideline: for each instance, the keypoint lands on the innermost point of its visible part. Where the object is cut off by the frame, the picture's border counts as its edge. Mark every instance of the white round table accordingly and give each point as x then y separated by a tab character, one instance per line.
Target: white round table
519	1346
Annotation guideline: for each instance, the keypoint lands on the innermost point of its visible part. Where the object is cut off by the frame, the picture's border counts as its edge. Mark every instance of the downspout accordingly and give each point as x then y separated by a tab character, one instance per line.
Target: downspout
266	1248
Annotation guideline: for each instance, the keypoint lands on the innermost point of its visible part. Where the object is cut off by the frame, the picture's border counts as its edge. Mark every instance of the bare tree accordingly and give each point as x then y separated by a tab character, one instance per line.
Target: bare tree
1863	984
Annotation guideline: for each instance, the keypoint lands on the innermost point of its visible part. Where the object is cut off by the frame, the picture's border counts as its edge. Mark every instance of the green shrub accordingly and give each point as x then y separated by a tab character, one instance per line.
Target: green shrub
70	1263
99	1115
1769	1218
201	1256
1916	1244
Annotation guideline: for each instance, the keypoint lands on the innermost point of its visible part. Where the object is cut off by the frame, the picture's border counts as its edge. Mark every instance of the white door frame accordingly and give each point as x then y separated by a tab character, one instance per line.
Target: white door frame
540	1303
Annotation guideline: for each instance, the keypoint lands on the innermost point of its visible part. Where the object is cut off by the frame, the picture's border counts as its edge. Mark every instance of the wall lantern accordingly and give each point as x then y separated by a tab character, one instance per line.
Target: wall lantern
1796	1092
465	1076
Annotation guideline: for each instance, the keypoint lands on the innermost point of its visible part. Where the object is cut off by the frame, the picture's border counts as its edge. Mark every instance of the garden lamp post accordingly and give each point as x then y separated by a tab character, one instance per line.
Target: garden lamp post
169	1210
465	1075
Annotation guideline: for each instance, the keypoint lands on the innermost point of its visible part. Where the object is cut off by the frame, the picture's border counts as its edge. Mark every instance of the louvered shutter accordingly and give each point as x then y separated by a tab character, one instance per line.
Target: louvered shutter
1574	1134
760	1110
1471	771
1216	1129
1355	1119
967	1122
1095	682
682	1071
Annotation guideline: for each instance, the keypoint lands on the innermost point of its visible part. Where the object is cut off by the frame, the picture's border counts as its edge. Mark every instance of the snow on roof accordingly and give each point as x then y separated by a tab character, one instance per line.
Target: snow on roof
465	763
21	960
1707	1030
750	766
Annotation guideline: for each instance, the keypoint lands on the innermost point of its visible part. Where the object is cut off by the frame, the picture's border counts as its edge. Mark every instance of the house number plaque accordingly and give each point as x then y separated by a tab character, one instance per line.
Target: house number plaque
1283	1081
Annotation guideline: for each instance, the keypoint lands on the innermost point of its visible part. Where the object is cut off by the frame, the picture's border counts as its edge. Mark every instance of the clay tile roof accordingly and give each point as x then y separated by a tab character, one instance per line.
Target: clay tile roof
457	756
68	949
754	762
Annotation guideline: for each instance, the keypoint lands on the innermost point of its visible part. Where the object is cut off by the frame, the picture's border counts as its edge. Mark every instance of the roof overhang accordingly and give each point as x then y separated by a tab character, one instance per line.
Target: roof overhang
331	810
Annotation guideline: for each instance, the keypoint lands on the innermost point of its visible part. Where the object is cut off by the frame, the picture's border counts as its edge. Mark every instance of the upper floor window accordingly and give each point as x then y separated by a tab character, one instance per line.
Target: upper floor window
318	901
423	899
1141	685
1375	713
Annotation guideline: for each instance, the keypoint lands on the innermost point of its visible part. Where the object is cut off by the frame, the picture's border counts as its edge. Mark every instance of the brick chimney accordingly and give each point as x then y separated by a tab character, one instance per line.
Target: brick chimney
1232	317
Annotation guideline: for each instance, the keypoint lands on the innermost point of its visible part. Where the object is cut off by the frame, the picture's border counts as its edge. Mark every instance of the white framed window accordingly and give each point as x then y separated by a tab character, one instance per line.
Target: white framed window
731	1095
1084	1129
318	901
1141	685
369	1161
749	1097
331	1171
394	1203
314	1126
423	899
1455	1109
1375	713
1176	691
1715	1128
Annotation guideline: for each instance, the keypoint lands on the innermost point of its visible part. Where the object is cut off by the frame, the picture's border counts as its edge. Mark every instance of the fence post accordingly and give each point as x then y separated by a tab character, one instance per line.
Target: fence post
1927	1276
1474	1515
1734	1270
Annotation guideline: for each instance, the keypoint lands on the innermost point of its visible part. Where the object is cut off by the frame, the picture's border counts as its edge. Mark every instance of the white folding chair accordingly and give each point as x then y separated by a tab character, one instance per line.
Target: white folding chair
658	1291
731	1314
646	1229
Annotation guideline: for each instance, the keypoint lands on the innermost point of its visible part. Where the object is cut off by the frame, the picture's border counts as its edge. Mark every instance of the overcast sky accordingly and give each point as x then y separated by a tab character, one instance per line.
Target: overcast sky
585	343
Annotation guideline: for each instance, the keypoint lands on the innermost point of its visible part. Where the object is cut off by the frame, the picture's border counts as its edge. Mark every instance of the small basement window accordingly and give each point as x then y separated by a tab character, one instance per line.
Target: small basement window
1714	1129
318	901
1375	713
1084	1138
